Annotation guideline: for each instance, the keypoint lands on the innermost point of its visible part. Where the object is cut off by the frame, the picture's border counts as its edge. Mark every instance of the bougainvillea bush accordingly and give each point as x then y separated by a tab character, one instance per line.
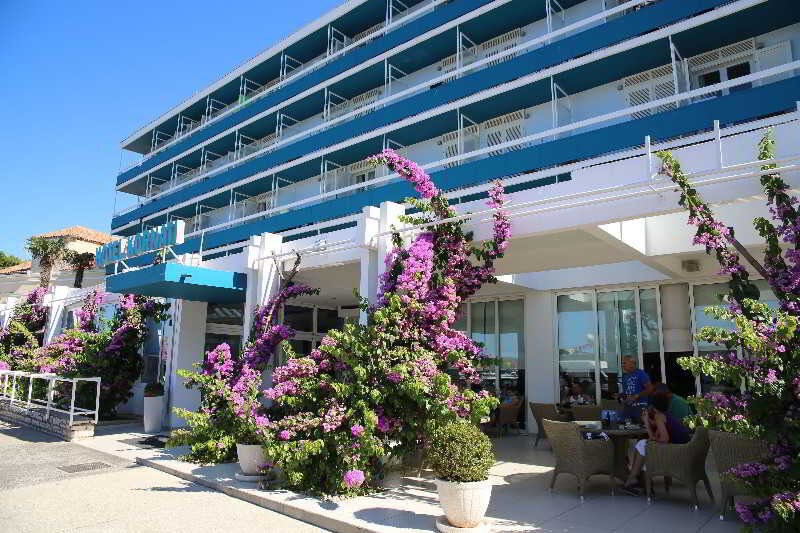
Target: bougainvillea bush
766	338
109	348
24	331
372	391
231	411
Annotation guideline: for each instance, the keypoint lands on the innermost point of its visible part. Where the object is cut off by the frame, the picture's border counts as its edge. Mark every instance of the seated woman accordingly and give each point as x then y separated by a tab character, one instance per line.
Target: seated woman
661	427
577	396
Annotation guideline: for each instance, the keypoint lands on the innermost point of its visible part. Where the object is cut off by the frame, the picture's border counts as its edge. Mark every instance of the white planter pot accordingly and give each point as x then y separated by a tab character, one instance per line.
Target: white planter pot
251	457
153	413
464	504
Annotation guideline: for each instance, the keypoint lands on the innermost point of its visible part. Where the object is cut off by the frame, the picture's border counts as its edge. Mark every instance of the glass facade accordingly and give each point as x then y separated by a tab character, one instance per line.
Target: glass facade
310	325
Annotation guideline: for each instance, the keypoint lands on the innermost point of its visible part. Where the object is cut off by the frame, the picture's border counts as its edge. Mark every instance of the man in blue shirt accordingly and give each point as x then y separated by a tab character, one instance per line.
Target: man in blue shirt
636	385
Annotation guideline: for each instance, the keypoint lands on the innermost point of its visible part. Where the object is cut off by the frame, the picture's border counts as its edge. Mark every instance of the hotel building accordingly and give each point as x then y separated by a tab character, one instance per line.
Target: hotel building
566	101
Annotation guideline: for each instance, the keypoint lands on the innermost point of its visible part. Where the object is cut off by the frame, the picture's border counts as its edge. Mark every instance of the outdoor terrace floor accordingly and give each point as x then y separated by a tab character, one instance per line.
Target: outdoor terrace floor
520	498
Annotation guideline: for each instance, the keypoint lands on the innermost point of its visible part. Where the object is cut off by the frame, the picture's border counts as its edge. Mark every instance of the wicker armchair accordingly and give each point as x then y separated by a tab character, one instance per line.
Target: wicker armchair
507	415
685	462
578	456
729	450
545	411
587	412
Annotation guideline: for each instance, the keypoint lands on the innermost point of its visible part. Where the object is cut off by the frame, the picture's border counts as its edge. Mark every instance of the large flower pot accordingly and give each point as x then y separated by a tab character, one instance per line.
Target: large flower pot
153	413
464	504
251	457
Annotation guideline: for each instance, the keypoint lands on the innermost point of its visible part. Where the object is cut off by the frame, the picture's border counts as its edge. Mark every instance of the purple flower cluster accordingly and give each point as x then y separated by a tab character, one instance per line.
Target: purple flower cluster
86	315
409	170
353	478
748	470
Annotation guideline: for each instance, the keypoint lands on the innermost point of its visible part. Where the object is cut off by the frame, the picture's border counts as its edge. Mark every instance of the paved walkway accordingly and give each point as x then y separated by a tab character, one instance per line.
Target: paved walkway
48	485
520	499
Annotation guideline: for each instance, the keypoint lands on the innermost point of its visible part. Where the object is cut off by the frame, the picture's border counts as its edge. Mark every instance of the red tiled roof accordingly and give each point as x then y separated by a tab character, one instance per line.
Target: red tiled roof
16	269
80	233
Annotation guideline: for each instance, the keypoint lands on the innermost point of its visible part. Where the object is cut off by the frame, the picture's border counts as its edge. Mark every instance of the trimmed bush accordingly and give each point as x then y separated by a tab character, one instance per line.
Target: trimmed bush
154	389
461	453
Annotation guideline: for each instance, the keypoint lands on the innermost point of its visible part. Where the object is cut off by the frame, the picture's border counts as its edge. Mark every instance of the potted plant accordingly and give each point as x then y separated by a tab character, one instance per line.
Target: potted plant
460	456
250	442
153	407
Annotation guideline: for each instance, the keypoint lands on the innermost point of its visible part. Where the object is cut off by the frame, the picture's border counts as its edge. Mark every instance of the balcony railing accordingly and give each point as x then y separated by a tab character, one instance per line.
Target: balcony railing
342	181
219	109
466	60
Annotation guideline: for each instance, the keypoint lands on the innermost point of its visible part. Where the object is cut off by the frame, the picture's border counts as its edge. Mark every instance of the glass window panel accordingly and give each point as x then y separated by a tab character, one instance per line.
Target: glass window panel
617	336
328	319
651	345
576	342
299	318
461	318
512	344
737	71
232	314
483	331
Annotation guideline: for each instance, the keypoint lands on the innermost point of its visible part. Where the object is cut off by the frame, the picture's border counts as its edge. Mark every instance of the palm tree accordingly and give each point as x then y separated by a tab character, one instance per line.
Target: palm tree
48	251
80	262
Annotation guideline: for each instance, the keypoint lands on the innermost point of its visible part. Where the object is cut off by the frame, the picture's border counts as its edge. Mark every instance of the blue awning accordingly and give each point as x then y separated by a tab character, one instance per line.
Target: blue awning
174	280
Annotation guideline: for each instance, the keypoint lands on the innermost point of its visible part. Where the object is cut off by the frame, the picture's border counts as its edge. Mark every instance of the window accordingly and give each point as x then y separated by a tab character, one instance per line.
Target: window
737	71
722	74
577	342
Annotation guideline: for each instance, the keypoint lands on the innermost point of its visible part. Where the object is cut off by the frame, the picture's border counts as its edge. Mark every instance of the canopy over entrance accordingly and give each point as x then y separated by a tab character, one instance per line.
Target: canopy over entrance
174	280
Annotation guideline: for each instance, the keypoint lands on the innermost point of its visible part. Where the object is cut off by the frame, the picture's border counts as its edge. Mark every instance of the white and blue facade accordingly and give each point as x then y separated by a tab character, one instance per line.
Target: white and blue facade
566	101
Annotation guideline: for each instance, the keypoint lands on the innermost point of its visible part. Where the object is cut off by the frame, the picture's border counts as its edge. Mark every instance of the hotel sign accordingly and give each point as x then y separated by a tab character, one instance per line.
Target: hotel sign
141	243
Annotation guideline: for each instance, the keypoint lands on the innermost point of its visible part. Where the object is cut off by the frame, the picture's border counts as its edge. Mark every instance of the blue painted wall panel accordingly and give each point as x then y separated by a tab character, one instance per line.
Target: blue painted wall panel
615	31
737	107
351	59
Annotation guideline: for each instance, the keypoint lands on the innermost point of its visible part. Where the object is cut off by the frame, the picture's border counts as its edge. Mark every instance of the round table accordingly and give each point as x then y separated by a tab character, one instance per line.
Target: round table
620	437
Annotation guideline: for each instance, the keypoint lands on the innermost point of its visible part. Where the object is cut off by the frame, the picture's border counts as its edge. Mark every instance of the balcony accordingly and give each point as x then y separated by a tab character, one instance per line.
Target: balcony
478	141
393	84
398	14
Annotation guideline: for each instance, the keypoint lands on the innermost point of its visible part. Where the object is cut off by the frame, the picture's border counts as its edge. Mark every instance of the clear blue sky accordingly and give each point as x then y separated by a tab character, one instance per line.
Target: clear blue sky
78	76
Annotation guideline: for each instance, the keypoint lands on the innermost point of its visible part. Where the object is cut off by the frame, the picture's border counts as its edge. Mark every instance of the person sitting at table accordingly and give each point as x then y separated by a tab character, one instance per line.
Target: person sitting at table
678	406
508	396
636	387
577	396
661	427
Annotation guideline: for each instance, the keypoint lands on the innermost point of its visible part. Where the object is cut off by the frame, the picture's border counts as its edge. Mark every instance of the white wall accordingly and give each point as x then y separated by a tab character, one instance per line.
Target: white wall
188	349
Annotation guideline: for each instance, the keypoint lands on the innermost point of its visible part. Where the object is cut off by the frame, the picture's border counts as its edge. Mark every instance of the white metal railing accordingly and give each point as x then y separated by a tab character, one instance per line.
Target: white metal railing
386	96
378	30
528	140
12	384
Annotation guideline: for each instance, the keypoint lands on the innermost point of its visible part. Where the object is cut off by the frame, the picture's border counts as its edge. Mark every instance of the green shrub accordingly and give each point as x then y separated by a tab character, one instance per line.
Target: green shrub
460	452
154	389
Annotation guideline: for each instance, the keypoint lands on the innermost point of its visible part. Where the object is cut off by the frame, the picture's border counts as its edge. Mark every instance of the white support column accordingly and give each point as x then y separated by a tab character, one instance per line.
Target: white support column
368	226
262	277
188	347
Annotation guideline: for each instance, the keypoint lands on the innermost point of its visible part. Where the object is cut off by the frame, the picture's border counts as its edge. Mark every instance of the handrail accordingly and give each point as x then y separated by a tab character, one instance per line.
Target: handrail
703	91
51	379
424	85
271	85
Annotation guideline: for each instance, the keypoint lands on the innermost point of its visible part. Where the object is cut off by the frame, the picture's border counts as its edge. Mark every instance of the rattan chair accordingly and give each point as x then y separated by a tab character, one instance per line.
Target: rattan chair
587	412
729	450
545	411
507	415
578	456
685	462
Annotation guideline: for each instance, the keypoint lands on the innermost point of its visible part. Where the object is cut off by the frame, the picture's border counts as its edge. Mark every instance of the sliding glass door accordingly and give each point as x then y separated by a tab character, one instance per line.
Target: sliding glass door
596	329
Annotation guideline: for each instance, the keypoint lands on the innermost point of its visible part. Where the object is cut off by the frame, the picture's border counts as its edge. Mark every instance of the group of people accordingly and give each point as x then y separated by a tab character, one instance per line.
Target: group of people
659	409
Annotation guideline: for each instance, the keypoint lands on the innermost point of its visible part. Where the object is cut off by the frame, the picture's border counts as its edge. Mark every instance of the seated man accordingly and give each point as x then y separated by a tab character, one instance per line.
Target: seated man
636	386
661	427
678	406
